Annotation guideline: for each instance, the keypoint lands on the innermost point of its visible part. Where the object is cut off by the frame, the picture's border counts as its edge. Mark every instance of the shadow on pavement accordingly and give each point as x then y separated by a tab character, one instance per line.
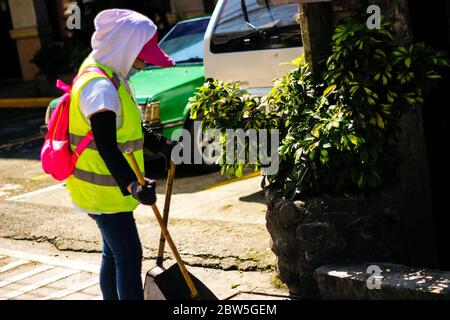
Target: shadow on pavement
257	197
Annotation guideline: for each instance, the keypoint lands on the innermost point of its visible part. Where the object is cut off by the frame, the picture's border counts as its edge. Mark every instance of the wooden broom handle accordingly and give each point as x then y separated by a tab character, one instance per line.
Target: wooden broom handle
169	185
165	232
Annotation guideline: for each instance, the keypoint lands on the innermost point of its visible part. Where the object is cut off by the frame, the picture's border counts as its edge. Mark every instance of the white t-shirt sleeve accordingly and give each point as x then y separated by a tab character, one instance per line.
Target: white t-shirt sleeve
98	94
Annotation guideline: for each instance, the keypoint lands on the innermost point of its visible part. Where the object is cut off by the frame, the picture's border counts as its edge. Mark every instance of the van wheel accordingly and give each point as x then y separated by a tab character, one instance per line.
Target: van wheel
200	148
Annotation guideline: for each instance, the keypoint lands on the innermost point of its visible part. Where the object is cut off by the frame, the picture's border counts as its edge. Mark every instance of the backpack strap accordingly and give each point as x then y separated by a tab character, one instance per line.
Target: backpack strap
64	87
84	143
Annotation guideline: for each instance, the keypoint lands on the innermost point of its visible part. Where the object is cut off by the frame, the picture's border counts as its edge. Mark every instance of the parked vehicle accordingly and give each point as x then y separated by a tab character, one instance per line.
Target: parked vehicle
162	93
247	40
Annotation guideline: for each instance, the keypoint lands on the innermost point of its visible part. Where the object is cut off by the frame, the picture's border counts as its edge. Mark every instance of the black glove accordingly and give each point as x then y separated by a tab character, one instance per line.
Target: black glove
144	194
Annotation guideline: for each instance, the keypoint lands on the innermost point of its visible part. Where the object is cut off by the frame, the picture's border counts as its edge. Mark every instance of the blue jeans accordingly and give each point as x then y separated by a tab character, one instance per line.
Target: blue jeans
120	271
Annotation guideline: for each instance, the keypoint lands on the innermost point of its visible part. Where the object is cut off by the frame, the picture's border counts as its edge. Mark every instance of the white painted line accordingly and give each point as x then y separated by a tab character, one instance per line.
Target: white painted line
35	192
13	265
78	287
39	284
25	275
70	264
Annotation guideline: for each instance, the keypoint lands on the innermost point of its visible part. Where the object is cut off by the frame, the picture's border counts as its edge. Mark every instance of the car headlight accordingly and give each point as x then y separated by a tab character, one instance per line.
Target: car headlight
48	114
151	112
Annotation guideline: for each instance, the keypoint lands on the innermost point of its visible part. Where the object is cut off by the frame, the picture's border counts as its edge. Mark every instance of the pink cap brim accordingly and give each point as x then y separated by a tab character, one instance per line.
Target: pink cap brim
153	54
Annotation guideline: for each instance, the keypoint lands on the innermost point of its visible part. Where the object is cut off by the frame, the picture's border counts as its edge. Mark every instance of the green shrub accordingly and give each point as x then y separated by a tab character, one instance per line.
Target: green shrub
223	105
328	145
342	129
339	130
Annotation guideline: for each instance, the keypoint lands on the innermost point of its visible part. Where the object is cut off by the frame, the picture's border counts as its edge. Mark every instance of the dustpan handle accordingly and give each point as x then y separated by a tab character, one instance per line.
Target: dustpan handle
187	277
169	185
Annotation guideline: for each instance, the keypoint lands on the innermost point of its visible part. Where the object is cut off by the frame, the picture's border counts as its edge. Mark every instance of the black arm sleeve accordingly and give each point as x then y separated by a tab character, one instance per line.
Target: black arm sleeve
104	130
154	141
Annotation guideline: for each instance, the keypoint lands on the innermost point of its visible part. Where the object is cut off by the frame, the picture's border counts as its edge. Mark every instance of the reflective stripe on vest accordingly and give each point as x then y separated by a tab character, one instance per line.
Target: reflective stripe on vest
94	178
124	146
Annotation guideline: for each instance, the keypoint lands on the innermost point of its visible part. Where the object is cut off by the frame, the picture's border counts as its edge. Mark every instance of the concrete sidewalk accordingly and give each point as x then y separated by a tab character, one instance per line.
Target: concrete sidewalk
41	272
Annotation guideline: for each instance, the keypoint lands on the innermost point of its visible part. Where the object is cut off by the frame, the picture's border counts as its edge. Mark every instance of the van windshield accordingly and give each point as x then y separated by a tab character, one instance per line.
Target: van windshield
245	25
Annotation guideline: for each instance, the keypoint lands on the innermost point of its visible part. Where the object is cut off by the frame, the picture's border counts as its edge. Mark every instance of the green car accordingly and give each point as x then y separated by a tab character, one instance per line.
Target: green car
163	93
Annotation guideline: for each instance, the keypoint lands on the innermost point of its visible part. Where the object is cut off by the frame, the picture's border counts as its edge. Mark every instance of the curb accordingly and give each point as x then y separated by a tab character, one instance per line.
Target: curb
25	102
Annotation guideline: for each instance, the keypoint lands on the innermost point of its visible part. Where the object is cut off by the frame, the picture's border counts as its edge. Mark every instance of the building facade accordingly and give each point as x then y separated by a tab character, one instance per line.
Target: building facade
28	25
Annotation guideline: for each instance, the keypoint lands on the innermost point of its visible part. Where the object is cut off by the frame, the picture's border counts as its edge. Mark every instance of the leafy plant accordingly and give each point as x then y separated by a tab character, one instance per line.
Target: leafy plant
342	129
339	130
223	105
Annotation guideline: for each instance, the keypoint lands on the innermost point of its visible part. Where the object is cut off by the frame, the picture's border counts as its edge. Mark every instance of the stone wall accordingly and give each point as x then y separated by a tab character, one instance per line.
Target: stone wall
315	231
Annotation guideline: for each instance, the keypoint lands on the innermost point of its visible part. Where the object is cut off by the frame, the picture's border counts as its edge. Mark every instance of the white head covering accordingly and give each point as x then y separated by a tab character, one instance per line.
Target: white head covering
119	37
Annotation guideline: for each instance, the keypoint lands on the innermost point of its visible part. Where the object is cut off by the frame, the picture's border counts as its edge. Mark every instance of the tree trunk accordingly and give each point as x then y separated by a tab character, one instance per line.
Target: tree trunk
316	28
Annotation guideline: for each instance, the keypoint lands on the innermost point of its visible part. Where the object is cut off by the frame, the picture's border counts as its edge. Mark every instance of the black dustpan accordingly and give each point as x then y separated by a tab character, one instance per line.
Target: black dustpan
175	282
169	284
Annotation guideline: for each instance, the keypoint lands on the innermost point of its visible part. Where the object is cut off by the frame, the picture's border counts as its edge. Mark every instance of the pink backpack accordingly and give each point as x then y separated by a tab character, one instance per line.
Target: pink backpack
57	158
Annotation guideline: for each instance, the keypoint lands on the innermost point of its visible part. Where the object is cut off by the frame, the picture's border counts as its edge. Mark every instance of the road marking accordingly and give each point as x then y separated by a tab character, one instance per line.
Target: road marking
223	183
66	292
39	284
25	275
35	192
58	262
10	187
39	177
13	264
28	140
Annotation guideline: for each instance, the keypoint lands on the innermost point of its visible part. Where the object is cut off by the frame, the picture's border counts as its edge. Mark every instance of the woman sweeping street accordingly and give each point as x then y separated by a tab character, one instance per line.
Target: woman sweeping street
103	184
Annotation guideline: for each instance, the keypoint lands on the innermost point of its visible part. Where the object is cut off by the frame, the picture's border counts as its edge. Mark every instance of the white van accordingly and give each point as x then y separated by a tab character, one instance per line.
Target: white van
247	40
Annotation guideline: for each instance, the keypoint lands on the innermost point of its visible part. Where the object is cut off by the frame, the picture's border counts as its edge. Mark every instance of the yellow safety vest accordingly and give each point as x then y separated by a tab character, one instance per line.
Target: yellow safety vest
91	185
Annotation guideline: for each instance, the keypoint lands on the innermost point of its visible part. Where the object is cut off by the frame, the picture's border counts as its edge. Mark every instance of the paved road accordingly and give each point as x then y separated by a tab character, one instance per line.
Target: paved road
220	227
